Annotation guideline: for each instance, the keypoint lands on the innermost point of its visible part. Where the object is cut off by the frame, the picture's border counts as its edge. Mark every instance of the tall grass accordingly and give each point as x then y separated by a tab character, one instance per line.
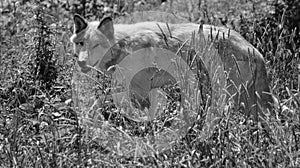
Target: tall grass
39	126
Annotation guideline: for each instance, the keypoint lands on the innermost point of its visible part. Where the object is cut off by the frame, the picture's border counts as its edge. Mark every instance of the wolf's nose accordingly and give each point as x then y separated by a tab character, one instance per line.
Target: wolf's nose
83	66
81	63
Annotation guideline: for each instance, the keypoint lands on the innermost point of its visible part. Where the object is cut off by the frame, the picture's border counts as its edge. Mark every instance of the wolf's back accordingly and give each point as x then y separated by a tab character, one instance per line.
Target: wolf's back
243	62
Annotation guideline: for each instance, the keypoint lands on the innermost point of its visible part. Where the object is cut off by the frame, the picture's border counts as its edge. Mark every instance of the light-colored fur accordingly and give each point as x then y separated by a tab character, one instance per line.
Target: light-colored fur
148	32
98	39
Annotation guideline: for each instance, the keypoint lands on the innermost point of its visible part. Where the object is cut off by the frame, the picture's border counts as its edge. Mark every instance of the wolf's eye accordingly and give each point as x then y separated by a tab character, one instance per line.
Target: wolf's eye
79	43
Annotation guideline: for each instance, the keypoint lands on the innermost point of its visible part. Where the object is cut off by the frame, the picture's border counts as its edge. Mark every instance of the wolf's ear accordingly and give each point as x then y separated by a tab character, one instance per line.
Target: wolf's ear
80	23
107	28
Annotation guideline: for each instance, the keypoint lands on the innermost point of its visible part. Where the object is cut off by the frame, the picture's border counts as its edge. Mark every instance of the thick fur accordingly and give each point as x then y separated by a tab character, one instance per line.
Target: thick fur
94	40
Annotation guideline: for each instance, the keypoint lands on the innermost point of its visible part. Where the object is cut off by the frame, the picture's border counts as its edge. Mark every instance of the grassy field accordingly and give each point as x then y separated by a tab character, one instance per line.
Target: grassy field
41	127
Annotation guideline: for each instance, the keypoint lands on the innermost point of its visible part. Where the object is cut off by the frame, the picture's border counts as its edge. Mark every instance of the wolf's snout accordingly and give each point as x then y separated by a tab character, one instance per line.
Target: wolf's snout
82	61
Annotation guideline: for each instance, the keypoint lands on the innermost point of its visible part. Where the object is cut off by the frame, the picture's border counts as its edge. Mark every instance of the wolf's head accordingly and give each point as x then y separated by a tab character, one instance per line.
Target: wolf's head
92	40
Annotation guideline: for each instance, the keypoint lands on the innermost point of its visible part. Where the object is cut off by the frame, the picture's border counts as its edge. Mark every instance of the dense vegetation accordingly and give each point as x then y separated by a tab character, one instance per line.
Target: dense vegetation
39	126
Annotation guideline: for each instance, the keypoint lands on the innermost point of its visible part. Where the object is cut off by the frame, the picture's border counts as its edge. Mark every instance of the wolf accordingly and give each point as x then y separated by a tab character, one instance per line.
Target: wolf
94	42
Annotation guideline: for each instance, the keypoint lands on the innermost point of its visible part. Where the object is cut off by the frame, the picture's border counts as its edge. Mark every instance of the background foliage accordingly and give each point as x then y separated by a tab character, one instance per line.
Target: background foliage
39	127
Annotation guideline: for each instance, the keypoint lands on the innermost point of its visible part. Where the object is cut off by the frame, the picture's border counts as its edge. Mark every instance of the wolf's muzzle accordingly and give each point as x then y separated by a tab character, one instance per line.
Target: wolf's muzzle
82	64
